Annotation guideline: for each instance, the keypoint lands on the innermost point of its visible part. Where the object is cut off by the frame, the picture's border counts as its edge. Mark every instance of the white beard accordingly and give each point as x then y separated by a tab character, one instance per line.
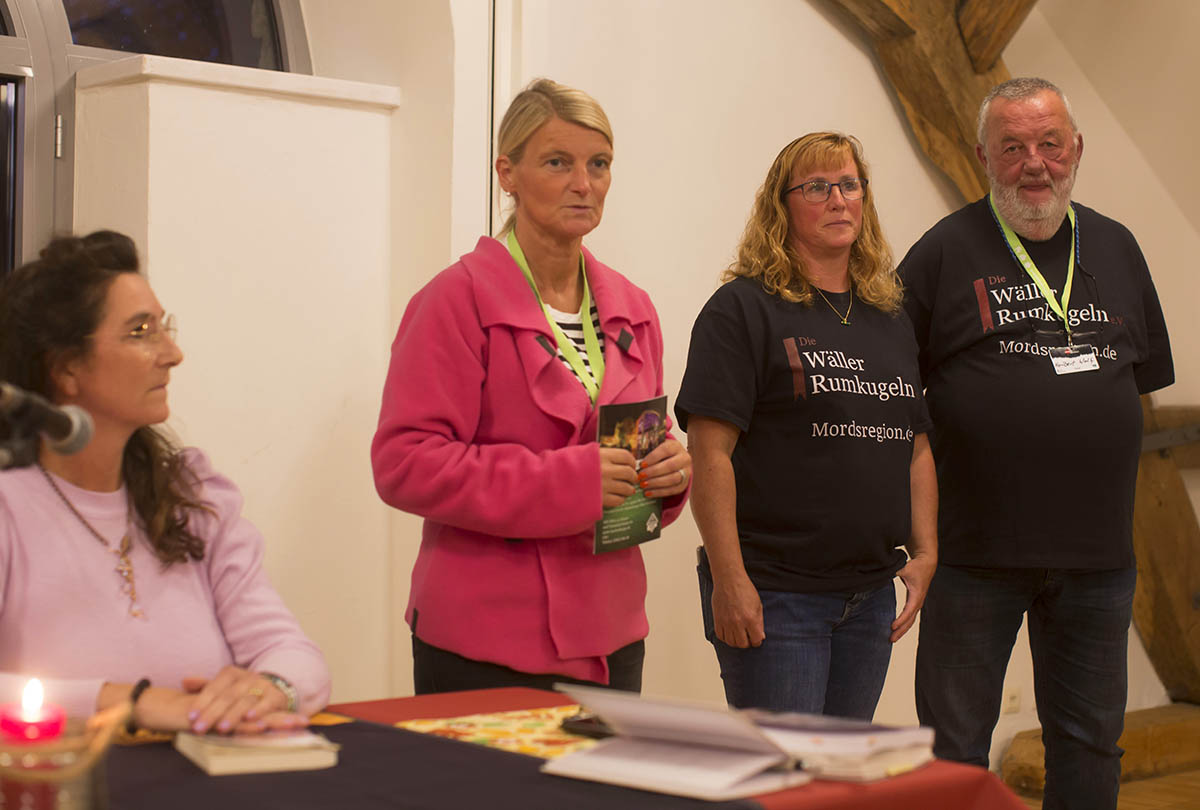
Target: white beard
1036	221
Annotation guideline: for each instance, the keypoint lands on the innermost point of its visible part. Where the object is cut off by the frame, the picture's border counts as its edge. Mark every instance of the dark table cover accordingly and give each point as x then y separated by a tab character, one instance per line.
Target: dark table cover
378	767
937	786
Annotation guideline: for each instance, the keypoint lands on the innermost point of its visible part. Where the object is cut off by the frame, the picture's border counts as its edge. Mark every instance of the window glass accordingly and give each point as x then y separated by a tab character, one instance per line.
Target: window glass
233	32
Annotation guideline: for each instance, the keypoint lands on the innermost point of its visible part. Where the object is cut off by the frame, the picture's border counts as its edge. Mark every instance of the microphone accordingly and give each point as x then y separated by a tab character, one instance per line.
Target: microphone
68	427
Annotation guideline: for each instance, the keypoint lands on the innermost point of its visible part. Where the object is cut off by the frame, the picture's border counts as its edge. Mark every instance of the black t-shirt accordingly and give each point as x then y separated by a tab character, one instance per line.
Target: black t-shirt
1035	469
828	414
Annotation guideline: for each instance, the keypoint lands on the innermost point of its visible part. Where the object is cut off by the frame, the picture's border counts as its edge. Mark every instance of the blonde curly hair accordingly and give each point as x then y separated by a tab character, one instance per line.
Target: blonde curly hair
765	252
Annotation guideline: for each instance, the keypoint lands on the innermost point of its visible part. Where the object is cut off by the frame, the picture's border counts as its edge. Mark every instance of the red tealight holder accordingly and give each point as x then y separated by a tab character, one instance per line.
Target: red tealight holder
47	763
17	726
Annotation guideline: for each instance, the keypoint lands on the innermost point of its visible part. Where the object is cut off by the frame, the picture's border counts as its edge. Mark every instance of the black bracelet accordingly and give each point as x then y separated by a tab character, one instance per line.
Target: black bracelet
138	688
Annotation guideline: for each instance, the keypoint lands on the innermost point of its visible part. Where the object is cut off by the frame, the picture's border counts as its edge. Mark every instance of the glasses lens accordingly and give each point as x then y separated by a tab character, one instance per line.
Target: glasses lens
817	191
852	188
170	327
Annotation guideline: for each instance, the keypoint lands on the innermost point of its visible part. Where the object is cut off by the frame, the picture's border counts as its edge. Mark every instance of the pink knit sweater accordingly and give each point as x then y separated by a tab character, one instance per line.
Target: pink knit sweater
64	618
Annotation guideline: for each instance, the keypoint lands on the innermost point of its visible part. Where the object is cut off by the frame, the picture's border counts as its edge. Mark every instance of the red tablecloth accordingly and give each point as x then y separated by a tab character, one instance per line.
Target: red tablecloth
937	785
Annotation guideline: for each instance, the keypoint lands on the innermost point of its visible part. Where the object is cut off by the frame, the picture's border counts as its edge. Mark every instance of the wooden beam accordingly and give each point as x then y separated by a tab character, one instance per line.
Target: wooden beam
1166	540
881	19
988	25
1186	456
923	55
1158	741
948	153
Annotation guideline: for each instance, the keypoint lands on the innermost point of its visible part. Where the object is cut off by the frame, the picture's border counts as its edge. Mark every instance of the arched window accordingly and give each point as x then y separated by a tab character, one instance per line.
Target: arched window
43	43
233	32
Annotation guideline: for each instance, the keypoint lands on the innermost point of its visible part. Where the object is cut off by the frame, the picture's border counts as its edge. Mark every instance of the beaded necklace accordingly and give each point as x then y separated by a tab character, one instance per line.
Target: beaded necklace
124	567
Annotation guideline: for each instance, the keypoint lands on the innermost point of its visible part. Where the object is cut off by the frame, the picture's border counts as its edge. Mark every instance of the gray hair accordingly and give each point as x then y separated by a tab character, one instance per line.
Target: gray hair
1015	90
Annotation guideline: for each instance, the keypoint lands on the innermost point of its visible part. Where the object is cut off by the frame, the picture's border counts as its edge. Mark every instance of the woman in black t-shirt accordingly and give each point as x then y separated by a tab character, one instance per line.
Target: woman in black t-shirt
805	419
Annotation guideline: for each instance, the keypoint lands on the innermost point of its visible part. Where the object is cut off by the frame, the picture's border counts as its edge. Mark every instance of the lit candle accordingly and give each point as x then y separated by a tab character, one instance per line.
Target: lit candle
31	721
24	728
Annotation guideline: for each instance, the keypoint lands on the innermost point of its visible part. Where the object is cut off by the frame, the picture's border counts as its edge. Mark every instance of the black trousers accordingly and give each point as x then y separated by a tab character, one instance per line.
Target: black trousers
438	670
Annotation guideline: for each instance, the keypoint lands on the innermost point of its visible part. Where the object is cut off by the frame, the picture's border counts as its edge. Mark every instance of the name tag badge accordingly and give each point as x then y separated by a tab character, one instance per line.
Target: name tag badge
1074	359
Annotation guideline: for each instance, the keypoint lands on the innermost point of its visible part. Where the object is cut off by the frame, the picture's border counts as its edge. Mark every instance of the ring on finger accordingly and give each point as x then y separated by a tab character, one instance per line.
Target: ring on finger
256	692
682	477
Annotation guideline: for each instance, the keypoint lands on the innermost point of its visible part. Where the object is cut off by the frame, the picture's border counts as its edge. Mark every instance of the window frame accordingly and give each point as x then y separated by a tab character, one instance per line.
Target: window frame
40	53
21	61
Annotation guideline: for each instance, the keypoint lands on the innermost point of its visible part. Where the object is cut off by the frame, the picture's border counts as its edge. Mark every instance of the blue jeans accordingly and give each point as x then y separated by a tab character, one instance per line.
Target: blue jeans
1078	636
824	653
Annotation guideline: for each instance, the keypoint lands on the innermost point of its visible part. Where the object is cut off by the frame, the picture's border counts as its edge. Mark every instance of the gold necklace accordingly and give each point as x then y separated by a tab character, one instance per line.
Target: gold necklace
124	567
844	318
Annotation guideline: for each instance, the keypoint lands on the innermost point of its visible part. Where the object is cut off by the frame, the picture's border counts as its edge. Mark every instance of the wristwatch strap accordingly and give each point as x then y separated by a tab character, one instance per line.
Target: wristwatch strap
284	686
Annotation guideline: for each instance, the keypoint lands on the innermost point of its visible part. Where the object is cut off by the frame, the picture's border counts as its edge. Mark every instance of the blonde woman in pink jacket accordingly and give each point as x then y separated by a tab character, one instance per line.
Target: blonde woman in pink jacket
488	428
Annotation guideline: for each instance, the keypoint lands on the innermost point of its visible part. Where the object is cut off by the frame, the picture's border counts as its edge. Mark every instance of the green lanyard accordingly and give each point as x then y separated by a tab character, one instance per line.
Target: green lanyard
1022	256
591	379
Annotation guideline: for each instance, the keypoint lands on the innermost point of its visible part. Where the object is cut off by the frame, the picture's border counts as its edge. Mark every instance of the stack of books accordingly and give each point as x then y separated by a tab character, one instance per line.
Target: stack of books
844	749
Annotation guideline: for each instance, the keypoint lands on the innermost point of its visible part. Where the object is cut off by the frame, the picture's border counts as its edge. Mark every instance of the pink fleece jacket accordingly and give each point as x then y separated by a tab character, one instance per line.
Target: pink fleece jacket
64	619
490	438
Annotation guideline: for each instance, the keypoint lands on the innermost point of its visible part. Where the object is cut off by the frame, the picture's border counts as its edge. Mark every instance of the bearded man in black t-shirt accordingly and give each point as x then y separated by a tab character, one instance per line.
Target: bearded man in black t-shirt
1038	327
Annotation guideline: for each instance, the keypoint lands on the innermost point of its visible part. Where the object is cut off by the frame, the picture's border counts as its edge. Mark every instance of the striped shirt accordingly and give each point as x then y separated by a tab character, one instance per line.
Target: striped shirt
571	323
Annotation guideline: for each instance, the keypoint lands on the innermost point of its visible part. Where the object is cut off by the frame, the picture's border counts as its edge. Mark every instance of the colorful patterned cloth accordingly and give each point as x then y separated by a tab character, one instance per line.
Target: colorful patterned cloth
529	731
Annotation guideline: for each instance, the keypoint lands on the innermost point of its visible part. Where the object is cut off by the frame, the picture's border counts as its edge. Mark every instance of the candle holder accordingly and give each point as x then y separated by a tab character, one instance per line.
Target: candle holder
65	773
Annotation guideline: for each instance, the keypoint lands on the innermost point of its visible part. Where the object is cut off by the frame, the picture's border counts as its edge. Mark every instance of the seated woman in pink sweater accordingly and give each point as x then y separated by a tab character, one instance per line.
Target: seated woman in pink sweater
129	561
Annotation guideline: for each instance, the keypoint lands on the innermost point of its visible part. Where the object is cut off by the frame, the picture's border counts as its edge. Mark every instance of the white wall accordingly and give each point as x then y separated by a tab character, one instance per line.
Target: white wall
1141	58
411	45
702	94
261	206
701	98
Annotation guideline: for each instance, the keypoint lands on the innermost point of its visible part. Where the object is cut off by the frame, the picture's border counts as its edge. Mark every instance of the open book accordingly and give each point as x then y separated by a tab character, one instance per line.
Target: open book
672	747
269	752
714	753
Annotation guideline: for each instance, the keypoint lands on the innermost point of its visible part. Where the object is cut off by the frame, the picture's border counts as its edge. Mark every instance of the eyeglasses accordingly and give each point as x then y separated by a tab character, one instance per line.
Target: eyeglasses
151	331
1096	328
1060	332
819	190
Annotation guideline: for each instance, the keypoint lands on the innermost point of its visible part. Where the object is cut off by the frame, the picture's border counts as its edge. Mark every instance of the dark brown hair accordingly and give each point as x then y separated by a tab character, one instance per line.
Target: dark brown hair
49	310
